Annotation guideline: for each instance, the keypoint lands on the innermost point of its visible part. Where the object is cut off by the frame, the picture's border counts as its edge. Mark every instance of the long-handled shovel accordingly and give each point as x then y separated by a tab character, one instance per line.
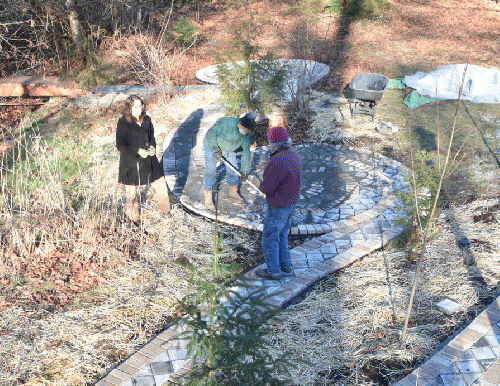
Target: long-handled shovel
231	166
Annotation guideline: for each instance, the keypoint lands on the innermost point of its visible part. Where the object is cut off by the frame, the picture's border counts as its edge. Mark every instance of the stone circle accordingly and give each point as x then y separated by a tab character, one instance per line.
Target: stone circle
339	183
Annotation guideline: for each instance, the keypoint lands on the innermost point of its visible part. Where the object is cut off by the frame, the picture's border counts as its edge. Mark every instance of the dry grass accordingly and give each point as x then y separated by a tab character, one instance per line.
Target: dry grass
83	289
344	327
128	287
128	282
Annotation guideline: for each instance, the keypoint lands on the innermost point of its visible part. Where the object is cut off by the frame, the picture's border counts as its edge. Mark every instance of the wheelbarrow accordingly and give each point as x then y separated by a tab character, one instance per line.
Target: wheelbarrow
364	91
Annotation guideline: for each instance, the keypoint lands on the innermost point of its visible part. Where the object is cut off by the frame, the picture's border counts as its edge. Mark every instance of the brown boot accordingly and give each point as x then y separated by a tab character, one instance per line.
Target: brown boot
164	204
234	196
161	195
132	210
208	199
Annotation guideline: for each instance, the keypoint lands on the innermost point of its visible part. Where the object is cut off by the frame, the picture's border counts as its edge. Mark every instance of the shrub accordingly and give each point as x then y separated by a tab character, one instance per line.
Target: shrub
254	81
185	32
225	327
364	9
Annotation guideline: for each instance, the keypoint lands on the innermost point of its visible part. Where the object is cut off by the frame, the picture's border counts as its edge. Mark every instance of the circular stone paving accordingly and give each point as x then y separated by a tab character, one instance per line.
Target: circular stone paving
301	74
341	185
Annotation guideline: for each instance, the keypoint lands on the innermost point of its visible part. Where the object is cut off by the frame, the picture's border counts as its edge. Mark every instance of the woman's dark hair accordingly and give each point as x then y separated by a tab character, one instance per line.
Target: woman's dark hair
127	110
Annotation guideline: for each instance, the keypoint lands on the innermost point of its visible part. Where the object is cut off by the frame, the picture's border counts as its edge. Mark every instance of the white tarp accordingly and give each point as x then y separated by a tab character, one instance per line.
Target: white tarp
481	85
302	74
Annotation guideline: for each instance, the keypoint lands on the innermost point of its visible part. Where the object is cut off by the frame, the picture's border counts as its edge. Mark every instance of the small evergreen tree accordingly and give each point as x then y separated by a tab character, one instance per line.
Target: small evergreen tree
363	9
246	77
416	202
225	329
185	33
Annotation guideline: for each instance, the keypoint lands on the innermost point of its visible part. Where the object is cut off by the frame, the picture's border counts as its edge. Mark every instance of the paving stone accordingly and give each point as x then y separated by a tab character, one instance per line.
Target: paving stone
448	306
178	364
300	264
118	373
467	356
160	368
177	354
452	380
470	378
483	382
103	382
469	366
126	368
300	271
431	368
163	357
443	359
140	359
282	297
492	377
146	370
482	342
163	379
470	335
482	353
313	259
328	248
144	380
496	350
339	244
486	363
481	324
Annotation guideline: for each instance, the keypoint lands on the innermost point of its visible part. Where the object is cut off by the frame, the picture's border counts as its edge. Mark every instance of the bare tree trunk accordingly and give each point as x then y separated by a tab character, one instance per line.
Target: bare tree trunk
74	23
138	22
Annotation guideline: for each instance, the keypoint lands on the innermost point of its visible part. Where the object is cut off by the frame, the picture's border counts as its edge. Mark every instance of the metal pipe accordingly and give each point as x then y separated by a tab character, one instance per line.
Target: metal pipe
231	166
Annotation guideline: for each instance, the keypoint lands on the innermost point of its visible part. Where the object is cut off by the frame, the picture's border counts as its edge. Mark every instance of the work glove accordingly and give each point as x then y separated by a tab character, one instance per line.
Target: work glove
152	151
143	153
218	156
243	177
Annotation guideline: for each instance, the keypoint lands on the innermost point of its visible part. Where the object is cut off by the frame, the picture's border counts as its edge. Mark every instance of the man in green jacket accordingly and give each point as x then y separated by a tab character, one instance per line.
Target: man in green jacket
226	136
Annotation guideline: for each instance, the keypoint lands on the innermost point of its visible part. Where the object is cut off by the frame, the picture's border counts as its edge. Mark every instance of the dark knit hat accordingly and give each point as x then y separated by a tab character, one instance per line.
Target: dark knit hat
248	120
277	134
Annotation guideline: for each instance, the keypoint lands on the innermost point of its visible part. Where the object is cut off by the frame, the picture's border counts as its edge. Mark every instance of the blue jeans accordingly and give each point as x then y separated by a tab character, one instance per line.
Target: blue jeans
275	238
210	176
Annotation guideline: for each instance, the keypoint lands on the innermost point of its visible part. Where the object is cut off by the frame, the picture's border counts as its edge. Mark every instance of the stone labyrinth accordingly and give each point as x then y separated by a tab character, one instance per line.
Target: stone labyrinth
339	183
348	199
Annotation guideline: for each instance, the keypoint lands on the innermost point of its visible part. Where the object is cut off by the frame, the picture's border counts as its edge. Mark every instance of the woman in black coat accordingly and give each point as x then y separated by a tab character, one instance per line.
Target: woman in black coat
139	165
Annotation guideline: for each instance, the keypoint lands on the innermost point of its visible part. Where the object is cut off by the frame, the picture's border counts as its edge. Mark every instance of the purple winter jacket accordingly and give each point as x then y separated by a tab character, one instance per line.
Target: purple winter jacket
282	178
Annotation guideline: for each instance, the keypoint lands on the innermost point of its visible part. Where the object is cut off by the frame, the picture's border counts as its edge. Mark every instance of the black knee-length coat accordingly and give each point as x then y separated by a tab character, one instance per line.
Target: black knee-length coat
130	137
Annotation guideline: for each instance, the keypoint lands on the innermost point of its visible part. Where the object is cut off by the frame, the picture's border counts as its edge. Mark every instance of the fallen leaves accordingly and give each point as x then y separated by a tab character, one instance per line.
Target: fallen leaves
52	275
52	345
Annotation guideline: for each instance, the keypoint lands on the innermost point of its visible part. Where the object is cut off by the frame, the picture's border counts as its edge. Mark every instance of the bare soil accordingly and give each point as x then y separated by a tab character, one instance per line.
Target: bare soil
415	35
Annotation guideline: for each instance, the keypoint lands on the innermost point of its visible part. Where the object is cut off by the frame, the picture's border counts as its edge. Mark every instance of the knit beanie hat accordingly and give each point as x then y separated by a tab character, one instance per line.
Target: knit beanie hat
248	120
277	134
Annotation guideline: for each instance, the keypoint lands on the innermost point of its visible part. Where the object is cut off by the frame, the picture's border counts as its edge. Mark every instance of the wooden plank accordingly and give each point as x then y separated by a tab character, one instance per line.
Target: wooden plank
37	86
21	103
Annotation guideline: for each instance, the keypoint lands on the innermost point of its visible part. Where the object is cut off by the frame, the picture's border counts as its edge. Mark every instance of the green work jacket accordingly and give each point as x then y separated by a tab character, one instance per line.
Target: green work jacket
225	137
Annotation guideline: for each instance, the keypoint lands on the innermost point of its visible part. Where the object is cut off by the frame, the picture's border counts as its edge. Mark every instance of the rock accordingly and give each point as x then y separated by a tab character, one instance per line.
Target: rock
325	103
464	242
344	123
449	307
387	127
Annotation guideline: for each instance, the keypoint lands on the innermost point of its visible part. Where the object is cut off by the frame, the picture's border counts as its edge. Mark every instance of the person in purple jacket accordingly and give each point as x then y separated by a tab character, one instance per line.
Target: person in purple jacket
281	184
